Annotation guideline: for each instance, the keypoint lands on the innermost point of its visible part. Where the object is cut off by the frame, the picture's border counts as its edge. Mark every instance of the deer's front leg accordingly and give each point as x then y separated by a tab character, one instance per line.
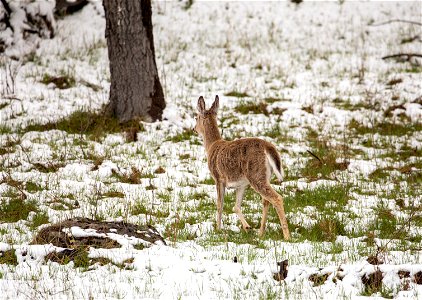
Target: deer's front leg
220	199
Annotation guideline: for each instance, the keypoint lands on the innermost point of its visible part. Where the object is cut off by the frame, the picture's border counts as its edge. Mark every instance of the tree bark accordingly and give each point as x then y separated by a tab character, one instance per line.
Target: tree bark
135	90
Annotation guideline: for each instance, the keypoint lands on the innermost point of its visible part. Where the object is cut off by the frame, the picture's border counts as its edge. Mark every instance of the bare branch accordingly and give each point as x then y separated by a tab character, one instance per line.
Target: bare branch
314	155
6	7
407	55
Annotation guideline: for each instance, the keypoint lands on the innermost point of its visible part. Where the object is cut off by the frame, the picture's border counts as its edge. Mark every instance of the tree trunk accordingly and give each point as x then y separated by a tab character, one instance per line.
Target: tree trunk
135	89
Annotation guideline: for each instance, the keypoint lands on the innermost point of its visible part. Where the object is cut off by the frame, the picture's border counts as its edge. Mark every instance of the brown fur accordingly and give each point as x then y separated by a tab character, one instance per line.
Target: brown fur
240	163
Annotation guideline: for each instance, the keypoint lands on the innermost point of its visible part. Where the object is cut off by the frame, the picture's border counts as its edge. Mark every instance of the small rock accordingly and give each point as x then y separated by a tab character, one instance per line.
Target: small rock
160	170
373	281
418	277
403	274
282	274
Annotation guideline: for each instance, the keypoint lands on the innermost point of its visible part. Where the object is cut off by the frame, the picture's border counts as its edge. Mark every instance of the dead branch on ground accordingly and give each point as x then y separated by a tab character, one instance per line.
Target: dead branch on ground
407	56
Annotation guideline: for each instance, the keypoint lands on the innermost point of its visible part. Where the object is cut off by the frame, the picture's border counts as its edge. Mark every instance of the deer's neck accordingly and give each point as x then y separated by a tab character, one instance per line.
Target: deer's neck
211	134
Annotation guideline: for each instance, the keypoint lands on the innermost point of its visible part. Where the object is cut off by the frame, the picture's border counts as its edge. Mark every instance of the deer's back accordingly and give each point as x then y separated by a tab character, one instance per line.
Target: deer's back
233	161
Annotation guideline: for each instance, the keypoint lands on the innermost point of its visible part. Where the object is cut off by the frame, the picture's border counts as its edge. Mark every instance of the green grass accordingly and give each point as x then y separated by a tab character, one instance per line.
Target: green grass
275	132
347	105
94	124
185	135
8	257
39	219
386	128
385	224
79	256
59	204
165	197
236	94
32	187
4	129
239	238
15	209
176	232
413	69
326	229
199	196
81	259
318	197
184	156
336	248
318	279
325	158
141	209
113	194
208	181
401	155
273	100
251	107
380	174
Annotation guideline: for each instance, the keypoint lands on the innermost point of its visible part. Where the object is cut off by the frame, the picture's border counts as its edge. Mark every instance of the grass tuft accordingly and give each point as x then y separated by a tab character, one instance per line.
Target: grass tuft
39	218
318	197
8	257
94	124
251	107
185	135
324	159
386	128
236	94
16	209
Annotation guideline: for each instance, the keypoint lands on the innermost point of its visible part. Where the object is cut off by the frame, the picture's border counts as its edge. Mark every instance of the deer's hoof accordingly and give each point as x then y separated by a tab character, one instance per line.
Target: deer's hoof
247	228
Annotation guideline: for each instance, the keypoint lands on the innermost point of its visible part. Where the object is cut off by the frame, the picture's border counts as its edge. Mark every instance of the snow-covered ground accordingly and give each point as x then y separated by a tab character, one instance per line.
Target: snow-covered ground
317	66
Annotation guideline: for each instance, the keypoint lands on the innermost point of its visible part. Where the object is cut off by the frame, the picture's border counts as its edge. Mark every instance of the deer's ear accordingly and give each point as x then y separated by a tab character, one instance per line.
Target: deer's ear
201	105
215	105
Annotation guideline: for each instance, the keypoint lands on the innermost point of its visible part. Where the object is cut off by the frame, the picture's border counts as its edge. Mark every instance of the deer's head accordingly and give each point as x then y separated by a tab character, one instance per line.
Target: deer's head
204	116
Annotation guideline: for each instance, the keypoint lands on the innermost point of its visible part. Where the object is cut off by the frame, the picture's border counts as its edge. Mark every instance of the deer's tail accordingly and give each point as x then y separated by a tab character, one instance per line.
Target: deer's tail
275	162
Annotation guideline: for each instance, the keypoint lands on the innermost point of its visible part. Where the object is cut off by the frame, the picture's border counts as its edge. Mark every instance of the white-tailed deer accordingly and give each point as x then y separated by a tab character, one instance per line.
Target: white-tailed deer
239	163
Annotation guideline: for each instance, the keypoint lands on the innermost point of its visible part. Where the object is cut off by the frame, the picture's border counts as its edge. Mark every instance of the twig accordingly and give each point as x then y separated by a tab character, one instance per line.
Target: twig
6	7
408	55
13	183
397	21
11	97
314	155
8	13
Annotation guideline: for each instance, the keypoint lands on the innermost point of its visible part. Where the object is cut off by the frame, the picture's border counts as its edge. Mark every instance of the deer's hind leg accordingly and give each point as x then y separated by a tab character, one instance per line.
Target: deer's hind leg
265	206
237	208
220	201
277	201
264	188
